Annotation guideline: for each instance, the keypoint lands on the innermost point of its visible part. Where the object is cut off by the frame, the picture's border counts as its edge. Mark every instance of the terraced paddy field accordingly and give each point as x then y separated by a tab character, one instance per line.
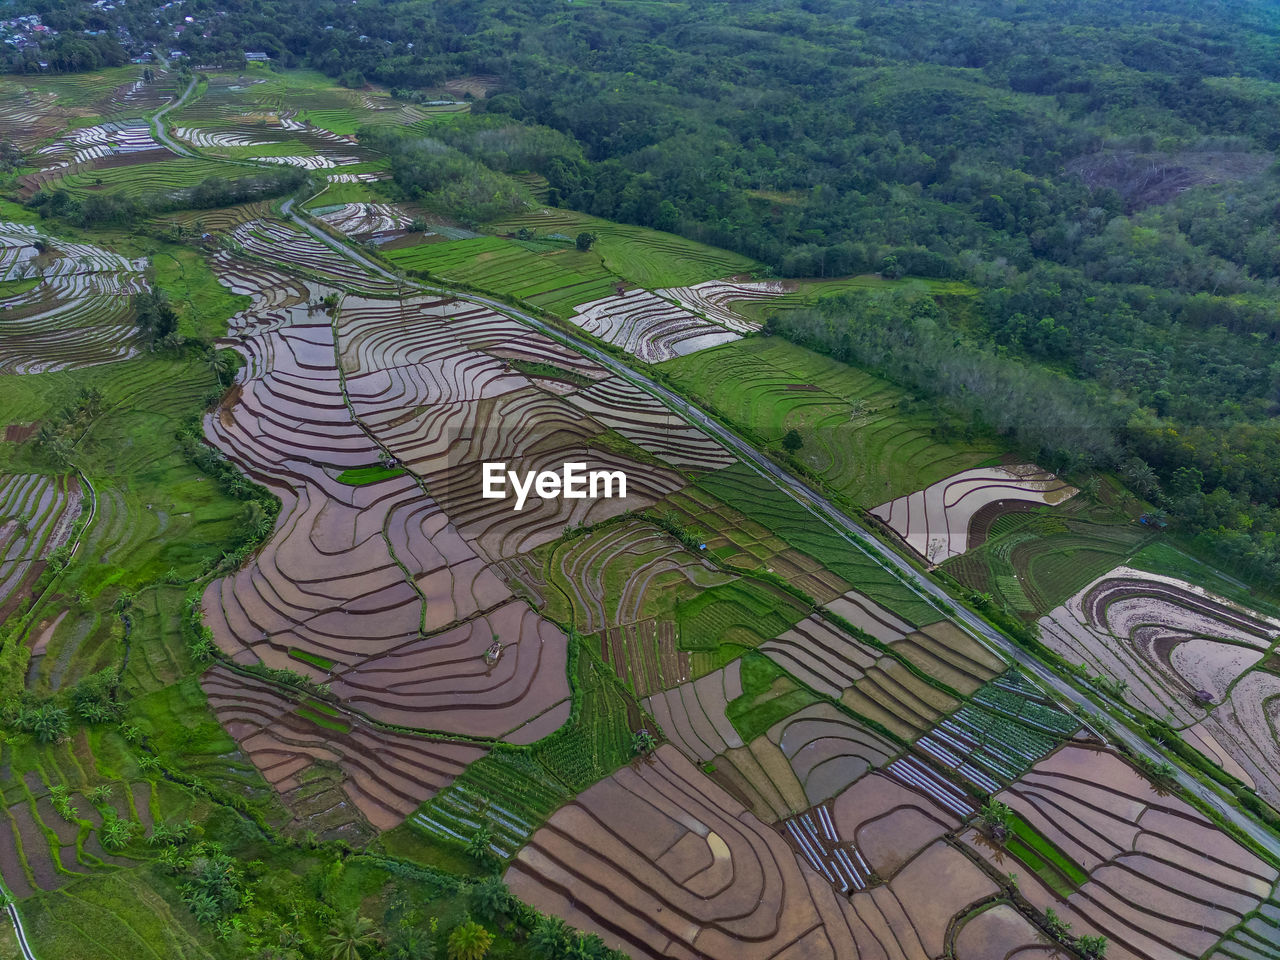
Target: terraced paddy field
283	246
1179	651
465	676
60	804
35	108
1031	561
555	277
1161	880
264	100
69	303
936	521
648	327
382	777
36	518
857	438
796	294
154	514
134	180
662	835
739	487
732	538
622	574
647	258
394	571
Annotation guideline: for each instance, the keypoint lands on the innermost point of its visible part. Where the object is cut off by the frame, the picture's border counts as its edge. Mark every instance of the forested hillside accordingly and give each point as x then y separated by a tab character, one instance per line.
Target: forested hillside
1103	172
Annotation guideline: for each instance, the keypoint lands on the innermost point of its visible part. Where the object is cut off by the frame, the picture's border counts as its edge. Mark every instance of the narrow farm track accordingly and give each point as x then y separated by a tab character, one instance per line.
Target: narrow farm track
828	513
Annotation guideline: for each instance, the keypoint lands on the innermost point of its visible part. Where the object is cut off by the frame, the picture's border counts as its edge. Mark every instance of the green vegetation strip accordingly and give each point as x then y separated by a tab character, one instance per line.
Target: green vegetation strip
375	473
314	659
1063	875
746	491
768	695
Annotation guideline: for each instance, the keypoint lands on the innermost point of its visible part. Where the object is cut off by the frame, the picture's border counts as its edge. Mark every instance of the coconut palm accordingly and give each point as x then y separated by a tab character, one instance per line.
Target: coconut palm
550	939
489	898
352	937
469	941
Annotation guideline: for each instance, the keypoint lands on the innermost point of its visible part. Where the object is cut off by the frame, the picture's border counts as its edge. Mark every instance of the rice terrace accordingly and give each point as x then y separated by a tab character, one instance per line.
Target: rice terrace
431	529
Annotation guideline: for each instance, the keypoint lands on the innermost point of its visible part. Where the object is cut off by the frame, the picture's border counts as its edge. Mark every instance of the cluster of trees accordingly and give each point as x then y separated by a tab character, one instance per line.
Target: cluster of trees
155	316
1217	478
121	209
444	179
49	719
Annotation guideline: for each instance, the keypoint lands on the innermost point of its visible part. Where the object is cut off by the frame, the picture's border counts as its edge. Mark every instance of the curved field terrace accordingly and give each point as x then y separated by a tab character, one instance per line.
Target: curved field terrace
689	718
715	300
36	517
1162	882
663	863
385	776
1179	651
74	309
360	585
935	522
648	327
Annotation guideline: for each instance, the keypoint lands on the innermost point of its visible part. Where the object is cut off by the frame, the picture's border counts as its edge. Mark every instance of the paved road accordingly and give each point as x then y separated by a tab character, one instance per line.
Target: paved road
12	910
822	508
157	123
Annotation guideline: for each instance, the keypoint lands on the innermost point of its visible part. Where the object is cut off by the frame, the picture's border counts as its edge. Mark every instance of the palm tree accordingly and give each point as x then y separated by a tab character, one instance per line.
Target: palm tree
221	365
489	898
478	843
469	941
550	938
350	937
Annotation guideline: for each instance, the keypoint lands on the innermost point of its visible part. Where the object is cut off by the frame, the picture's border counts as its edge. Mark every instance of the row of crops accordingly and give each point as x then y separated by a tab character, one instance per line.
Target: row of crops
1001	734
510	792
742	488
862	435
555	278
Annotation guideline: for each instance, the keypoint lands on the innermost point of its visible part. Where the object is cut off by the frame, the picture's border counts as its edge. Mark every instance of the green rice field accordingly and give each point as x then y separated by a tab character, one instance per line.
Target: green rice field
865	438
555	277
647	258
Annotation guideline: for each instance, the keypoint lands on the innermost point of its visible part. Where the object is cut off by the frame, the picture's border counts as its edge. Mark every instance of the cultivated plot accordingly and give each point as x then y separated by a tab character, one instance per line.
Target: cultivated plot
648	327
69	306
935	522
863	436
36	517
382	777
663	863
1175	650
367	585
1149	872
